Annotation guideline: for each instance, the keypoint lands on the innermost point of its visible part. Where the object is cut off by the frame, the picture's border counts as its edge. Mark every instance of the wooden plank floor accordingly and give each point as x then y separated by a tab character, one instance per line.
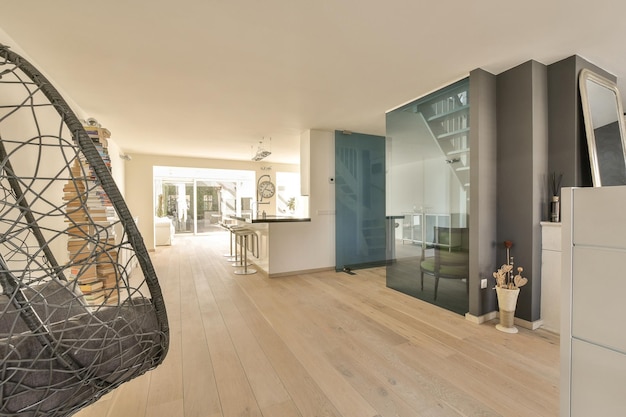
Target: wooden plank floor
326	344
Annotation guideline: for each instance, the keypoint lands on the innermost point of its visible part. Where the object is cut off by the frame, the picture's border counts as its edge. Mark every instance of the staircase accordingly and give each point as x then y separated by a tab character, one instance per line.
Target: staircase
447	116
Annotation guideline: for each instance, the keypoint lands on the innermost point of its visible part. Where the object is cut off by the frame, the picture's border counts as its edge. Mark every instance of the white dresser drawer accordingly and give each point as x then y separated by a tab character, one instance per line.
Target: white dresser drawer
598	288
598	381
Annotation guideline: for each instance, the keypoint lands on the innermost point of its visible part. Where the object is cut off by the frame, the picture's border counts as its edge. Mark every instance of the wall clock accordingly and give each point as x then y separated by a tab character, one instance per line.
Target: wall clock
265	187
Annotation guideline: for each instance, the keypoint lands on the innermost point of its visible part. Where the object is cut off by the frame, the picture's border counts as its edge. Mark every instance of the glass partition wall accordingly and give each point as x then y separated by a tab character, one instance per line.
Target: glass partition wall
428	197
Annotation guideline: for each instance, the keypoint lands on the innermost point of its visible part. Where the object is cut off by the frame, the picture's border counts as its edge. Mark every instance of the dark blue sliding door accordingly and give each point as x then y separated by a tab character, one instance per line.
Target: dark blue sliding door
360	226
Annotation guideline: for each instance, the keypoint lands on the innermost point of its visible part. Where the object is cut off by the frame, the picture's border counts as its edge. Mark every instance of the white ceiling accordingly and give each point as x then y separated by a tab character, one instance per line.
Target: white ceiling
211	78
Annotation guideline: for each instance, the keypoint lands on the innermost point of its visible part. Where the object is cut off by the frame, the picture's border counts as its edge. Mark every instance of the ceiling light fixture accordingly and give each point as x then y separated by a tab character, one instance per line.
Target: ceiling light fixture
261	152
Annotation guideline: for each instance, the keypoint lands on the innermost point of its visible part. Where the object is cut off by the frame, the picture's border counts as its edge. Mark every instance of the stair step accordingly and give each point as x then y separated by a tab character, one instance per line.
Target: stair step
448	113
459	152
452	134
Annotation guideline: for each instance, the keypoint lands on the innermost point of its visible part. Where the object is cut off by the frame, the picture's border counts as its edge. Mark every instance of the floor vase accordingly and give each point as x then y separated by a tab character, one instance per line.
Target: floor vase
507	300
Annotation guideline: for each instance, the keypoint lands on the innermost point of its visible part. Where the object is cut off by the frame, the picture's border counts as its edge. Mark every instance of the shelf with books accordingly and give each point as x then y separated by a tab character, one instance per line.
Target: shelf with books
91	243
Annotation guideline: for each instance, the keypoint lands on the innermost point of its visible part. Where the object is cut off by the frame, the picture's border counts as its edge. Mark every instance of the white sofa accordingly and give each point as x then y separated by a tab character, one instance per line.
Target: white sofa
163	231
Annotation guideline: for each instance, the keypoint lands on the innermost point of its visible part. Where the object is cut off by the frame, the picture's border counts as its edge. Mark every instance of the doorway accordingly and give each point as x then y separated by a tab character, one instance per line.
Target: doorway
360	223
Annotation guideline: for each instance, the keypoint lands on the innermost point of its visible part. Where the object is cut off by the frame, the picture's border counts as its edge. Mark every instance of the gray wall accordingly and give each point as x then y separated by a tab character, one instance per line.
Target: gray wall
540	130
483	180
522	114
568	143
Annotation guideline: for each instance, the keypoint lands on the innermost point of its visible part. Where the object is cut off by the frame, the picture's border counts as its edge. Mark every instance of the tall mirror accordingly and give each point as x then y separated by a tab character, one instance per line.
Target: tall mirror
604	126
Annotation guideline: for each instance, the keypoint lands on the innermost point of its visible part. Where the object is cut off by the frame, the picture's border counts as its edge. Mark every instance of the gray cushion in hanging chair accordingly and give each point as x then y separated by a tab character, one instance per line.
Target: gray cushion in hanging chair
82	334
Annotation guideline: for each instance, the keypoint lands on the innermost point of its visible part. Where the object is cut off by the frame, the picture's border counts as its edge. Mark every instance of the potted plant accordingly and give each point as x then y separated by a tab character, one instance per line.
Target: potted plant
507	289
159	211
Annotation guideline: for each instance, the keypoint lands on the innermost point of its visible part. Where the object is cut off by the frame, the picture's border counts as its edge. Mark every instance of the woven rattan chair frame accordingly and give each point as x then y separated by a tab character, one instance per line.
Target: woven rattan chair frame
59	349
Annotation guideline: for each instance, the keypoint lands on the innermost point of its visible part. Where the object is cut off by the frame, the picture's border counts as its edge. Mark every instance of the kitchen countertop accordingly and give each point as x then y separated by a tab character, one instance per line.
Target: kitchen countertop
272	219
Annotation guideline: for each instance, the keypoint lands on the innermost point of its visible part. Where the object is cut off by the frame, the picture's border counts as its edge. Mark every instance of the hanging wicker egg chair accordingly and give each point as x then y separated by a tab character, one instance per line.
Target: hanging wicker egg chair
81	309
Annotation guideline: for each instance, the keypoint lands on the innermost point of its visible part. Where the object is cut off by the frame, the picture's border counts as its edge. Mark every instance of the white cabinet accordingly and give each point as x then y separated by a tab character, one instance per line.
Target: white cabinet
551	276
593	340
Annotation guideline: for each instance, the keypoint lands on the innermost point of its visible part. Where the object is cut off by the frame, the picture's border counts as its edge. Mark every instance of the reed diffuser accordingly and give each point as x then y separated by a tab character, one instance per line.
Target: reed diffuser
555	200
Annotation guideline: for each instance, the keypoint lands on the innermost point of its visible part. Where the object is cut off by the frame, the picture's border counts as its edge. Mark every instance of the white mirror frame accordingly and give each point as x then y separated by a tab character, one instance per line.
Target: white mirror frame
586	76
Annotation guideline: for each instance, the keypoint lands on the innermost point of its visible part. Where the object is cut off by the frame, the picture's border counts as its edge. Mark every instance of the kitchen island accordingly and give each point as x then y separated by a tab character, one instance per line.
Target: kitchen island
272	232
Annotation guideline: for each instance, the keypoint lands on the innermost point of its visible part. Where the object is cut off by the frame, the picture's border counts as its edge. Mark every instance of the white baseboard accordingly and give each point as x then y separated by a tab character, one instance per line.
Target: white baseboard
480	319
531	325
304	271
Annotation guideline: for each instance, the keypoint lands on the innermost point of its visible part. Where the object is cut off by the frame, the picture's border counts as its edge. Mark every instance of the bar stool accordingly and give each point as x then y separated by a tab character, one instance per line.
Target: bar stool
254	245
241	235
230	257
238	234
227	228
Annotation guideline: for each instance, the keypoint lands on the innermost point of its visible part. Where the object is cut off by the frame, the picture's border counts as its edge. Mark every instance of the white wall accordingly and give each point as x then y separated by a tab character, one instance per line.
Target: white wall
117	164
5	39
310	245
19	127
